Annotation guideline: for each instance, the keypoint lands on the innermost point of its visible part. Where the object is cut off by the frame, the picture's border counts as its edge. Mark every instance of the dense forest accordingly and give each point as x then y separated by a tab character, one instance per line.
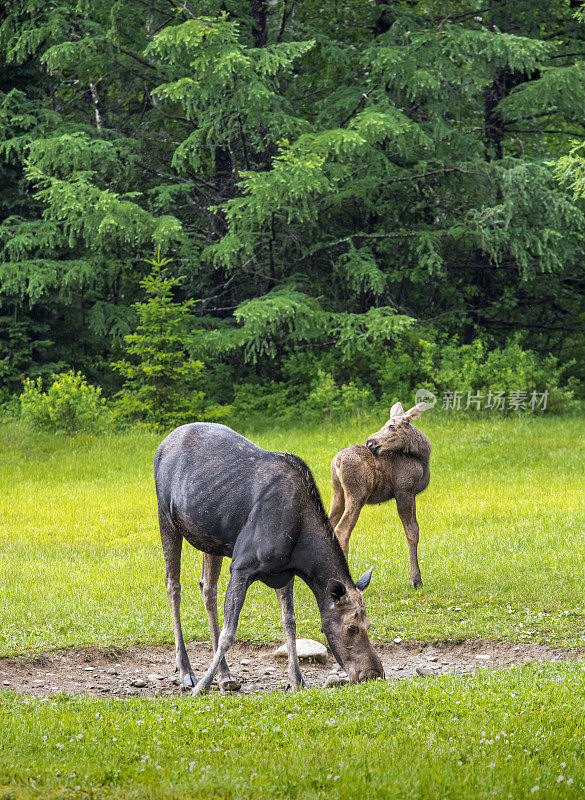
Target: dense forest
331	200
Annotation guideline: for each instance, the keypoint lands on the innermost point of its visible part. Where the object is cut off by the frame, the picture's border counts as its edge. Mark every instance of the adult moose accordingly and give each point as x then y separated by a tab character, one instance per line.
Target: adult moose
394	462
228	497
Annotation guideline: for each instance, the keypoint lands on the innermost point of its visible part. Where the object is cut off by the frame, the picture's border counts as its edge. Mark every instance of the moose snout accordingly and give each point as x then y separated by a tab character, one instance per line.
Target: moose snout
371	444
370	675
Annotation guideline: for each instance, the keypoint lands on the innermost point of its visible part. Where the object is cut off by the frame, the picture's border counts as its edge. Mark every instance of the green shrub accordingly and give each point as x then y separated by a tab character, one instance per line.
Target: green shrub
69	405
420	363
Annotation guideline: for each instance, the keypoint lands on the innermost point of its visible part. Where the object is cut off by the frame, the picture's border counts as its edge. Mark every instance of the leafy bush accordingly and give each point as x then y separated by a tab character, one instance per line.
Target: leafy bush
417	363
69	405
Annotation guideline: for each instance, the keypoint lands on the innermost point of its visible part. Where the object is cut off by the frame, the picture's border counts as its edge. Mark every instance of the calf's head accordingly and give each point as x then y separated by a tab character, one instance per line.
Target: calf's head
345	624
396	433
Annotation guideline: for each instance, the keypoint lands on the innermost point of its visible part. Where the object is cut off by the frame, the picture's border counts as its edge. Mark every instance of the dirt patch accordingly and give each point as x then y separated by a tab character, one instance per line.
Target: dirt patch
114	673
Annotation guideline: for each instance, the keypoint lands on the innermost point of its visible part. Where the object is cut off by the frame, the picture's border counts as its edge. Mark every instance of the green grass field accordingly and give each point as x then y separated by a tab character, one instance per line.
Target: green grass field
501	551
502	557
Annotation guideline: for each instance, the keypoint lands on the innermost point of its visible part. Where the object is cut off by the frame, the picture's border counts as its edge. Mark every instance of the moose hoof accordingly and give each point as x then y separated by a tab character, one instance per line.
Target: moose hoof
229	685
199	689
187	680
416	583
295	686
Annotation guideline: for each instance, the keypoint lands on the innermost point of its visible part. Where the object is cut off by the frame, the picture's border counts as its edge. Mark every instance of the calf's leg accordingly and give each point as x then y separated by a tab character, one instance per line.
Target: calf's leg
406	505
338	499
171	544
208	585
234	600
287	610
348	521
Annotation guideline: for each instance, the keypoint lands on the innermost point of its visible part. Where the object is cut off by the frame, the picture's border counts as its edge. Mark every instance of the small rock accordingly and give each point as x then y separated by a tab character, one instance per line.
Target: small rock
112	671
397	640
270	670
457	608
307	650
335	680
138	682
154	677
483	657
88	669
433	658
425	671
50	674
5	683
245	661
38	681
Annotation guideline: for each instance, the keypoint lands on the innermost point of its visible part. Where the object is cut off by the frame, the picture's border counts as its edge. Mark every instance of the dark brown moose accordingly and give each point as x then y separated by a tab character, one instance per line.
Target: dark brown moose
394	462
228	497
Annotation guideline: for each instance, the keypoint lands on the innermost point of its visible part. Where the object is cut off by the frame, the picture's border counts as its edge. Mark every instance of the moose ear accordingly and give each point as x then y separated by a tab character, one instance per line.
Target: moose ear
416	411
396	410
336	590
363	582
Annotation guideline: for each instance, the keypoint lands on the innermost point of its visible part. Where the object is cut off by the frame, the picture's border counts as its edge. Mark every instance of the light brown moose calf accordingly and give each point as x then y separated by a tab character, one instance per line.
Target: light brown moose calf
394	462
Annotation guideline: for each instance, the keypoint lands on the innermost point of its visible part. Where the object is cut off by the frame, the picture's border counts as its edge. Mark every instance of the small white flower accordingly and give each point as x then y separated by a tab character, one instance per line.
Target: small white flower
560	778
535	789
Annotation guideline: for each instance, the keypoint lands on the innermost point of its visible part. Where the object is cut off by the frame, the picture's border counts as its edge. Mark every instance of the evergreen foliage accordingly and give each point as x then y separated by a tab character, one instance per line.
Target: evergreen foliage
161	380
327	177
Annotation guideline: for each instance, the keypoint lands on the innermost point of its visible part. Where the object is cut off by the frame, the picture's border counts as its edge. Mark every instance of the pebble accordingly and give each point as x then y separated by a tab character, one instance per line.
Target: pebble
433	658
5	683
112	671
307	649
425	671
155	677
246	661
88	669
397	640
335	679
138	682
483	657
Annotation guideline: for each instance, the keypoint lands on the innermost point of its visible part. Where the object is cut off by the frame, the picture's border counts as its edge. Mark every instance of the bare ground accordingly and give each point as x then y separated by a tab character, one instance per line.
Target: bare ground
149	670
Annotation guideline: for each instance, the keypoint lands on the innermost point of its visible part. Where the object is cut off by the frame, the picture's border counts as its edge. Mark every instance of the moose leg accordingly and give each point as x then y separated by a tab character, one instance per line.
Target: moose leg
406	505
171	544
234	600
208	586
337	501
289	624
347	522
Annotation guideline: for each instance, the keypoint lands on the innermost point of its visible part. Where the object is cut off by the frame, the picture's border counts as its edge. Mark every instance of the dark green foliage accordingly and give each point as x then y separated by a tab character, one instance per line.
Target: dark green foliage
326	176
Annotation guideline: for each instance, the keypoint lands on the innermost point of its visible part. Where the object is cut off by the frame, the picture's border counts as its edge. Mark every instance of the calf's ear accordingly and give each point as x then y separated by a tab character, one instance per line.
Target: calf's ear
336	591
363	582
416	411
396	410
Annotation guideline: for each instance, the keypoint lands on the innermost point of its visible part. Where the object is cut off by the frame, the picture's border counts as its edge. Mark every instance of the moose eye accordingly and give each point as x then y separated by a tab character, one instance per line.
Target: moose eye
392	428
352	630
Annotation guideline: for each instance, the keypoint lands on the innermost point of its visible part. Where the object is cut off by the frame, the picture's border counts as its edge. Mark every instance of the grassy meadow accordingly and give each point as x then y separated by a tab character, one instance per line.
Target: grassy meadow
502	557
501	550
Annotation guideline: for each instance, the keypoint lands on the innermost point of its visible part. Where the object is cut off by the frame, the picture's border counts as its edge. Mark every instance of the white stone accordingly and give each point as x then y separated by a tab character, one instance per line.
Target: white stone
483	657
307	650
154	677
397	640
245	661
335	680
425	671
138	682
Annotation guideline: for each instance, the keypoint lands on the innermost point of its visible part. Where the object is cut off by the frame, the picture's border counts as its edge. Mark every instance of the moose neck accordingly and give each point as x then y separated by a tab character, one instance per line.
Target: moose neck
318	558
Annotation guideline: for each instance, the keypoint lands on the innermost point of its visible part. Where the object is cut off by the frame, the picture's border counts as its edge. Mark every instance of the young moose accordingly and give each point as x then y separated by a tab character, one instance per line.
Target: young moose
227	497
394	462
